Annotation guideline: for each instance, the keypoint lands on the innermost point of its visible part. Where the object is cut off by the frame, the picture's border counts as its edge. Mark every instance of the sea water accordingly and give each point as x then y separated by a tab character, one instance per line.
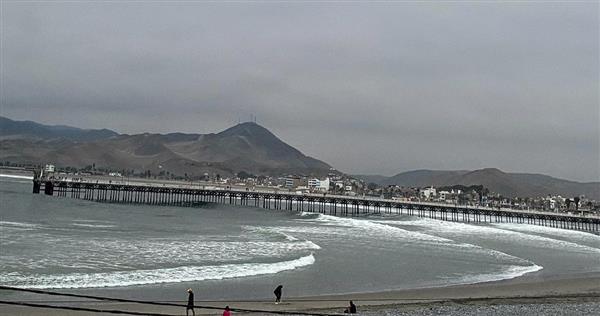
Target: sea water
227	252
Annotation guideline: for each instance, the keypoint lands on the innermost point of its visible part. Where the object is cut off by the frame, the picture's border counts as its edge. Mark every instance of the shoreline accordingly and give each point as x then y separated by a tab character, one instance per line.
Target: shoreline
564	290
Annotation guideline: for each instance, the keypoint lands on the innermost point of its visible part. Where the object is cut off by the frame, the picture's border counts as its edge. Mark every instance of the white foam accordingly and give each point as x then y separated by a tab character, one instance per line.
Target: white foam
14	176
508	273
19	225
312	245
497	230
378	228
382	229
106	252
566	233
93	225
141	277
270	230
290	237
91	221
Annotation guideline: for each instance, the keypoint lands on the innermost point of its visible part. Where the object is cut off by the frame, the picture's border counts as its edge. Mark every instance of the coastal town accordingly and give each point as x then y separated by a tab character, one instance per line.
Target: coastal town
337	183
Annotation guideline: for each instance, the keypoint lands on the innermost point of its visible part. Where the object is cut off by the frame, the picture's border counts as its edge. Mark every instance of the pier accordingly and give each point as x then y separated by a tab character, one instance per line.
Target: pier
186	194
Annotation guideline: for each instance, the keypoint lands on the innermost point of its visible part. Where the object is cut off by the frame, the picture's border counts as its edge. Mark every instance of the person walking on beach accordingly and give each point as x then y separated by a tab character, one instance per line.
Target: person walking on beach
277	293
351	309
190	304
227	312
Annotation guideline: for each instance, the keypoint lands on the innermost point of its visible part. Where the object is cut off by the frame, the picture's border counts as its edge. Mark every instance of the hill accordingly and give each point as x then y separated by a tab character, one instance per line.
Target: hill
245	147
28	129
507	184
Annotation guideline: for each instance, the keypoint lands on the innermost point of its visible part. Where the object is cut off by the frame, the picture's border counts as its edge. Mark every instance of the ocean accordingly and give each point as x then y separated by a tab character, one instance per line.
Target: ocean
226	252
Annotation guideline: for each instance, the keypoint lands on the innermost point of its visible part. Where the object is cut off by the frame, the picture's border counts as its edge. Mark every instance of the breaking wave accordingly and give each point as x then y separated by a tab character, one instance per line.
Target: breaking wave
155	276
19	225
93	225
15	176
384	229
517	232
508	273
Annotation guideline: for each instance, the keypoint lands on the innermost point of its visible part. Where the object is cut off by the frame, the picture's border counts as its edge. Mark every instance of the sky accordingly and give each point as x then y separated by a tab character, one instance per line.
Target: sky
368	87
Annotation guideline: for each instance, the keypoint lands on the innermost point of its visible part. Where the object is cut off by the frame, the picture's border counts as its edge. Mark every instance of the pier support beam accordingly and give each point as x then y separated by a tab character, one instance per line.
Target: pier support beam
36	187
49	188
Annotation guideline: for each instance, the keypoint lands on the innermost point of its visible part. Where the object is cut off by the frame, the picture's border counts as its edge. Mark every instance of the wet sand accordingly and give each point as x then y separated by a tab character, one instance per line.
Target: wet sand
560	295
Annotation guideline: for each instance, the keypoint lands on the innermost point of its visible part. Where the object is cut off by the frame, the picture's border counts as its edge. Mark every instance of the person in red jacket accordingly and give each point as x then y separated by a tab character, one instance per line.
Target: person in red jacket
227	312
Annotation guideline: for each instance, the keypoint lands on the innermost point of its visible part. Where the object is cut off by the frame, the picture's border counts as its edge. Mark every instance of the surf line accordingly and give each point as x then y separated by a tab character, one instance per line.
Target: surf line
102	298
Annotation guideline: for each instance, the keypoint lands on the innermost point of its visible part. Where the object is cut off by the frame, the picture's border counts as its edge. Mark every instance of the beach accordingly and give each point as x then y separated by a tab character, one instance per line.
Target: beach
570	295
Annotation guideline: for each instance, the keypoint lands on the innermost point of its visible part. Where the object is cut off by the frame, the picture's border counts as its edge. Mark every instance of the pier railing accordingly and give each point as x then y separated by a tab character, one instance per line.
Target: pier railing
190	194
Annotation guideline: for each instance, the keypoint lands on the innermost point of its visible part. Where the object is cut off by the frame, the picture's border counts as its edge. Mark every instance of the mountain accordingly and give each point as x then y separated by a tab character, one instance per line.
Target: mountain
29	129
423	178
507	184
245	147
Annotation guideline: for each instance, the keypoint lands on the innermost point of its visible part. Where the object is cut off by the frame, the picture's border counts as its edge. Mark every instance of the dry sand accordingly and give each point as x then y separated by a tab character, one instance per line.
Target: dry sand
561	292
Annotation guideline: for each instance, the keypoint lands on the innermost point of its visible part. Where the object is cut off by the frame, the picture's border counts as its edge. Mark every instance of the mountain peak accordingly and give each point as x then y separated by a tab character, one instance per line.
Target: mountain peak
245	147
495	171
246	129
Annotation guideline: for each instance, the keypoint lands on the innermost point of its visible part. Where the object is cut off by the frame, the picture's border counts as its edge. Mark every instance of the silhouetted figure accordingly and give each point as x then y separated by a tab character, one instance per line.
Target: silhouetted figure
351	309
227	312
190	304
277	293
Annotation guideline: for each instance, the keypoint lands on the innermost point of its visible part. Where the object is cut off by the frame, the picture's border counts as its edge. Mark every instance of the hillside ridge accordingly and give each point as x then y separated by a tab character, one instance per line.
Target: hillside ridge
245	147
496	180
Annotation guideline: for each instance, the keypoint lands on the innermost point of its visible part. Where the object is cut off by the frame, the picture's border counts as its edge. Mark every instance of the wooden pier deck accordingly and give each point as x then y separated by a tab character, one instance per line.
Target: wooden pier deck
186	194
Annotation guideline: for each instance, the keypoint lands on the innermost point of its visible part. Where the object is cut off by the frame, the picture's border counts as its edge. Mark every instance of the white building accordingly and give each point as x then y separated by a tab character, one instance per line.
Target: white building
49	168
428	193
315	184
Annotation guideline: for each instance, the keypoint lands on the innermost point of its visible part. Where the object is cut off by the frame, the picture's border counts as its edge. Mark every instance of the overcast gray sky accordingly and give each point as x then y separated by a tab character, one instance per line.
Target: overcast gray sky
367	87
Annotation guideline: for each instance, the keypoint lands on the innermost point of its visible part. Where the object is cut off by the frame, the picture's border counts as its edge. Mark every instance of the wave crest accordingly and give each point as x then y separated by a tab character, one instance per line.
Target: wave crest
142	277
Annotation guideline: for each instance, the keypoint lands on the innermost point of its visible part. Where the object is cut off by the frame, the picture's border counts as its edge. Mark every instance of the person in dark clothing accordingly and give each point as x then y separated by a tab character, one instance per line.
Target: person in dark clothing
351	309
277	293
190	304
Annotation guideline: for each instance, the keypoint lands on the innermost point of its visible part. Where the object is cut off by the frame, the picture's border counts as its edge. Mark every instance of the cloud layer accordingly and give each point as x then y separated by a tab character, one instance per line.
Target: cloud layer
369	88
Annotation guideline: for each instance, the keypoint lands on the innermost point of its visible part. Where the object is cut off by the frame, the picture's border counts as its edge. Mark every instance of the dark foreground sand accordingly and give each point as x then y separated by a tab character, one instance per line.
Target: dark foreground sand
575	295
